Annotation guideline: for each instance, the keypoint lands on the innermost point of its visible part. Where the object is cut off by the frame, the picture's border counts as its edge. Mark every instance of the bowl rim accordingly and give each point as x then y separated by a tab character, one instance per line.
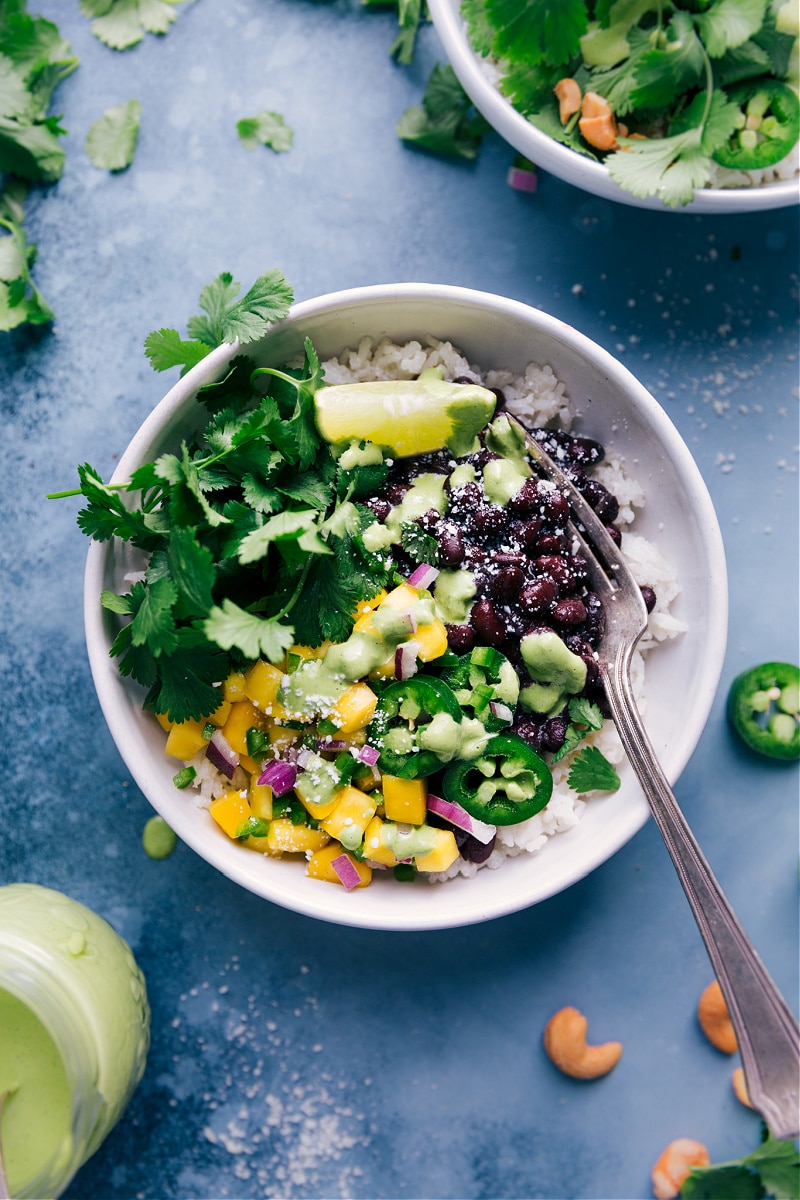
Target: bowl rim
110	685
566	164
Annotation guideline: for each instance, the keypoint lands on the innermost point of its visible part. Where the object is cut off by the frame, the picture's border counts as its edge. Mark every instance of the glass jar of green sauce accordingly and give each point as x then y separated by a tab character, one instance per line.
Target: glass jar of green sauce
74	1033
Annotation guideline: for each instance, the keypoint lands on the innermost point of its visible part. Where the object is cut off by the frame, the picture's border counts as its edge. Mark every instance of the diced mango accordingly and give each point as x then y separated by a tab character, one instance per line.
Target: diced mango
260	797
374	848
405	800
262	682
296	654
368	606
234	685
220	714
230	810
355	708
402	597
286	838
350	816
281	736
184	740
320	866
385	671
431	640
443	855
164	721
243	716
250	765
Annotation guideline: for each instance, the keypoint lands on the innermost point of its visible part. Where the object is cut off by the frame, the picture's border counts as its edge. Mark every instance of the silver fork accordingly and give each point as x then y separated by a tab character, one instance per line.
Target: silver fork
766	1028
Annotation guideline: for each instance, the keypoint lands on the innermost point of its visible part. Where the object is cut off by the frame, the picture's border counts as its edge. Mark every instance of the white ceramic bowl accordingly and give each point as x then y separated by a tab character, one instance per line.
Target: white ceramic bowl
560	160
682	676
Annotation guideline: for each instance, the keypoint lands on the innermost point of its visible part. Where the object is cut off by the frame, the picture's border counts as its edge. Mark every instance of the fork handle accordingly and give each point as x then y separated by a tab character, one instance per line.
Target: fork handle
766	1028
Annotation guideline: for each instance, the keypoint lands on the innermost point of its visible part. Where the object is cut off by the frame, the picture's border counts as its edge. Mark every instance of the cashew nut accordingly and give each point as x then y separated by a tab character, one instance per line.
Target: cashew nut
674	1165
712	1013
568	94
740	1087
565	1046
597	124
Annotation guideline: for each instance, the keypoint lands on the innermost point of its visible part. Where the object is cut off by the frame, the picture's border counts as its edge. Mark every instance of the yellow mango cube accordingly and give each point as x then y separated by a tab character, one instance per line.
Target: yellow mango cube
220	714
403	597
243	716
350	816
443	855
355	708
260	798
297	654
320	866
286	838
262	682
164	721
230	811
374	848
184	740
405	800
234	685
431	640
365	607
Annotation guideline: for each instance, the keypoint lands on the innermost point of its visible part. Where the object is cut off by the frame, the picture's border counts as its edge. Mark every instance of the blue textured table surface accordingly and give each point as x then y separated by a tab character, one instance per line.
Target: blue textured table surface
291	1058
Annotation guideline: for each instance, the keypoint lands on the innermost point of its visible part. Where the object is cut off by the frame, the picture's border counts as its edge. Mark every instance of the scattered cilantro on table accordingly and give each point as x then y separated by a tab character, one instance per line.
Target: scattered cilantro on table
446	122
252	530
34	59
772	1169
121	24
410	15
265	129
111	140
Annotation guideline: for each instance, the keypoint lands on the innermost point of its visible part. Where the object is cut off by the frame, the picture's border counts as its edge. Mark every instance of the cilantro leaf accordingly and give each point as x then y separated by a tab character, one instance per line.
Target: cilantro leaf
111	140
121	24
227	319
591	771
184	685
584	716
153	622
191	566
661	74
481	32
772	1169
232	627
20	299
165	348
446	122
419	545
265	129
537	30
410	14
727	24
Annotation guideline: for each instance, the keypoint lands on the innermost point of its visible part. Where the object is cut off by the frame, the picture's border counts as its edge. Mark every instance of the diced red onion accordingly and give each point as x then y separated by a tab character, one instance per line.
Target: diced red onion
368	755
522	181
348	875
220	752
279	775
405	660
422	576
459	817
304	757
329	743
501	711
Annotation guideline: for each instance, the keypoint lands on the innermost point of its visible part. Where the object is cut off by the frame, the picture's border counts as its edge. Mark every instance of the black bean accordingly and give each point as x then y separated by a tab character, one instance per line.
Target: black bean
487	521
487	623
615	535
460	638
579	568
530	730
526	534
649	597
381	508
451	547
505	585
539	595
473	850
429	521
570	611
395	492
604	503
528	498
555	505
553	733
552	543
556	567
595	624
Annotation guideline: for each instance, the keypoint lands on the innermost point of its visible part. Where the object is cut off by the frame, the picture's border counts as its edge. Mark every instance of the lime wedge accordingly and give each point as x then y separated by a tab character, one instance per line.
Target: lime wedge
405	416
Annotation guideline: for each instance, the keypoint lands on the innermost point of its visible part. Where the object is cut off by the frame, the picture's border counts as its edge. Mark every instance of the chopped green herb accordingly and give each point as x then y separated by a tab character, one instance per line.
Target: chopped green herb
584	716
419	545
265	129
121	24
20	300
773	1169
446	123
253	827
592	772
111	141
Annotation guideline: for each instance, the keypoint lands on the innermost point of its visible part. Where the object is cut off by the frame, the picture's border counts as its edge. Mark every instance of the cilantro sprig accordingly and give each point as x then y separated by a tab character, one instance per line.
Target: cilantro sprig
772	1169
121	24
252	535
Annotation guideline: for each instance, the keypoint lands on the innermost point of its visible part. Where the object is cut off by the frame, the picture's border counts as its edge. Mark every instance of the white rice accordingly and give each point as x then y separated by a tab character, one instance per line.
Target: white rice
540	398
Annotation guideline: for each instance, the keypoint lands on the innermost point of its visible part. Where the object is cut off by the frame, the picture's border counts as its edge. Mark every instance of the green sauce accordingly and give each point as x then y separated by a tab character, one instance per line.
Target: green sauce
36	1121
